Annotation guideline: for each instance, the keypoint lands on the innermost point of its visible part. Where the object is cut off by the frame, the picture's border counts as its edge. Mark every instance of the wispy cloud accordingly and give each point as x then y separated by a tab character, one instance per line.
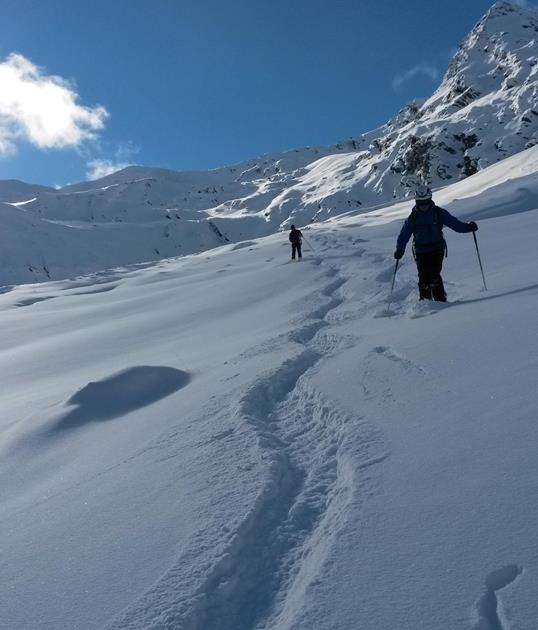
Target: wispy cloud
100	168
422	69
123	156
42	109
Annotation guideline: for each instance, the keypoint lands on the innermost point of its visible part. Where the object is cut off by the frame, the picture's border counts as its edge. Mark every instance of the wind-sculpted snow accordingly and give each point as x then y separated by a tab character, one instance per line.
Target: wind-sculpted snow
483	112
121	393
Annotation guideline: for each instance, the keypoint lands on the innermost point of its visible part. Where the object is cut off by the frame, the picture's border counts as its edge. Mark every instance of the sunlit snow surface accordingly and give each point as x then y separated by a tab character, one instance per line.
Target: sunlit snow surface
233	441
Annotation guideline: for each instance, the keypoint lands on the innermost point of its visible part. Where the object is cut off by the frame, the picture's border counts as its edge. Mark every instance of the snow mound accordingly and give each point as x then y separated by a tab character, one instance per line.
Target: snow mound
122	393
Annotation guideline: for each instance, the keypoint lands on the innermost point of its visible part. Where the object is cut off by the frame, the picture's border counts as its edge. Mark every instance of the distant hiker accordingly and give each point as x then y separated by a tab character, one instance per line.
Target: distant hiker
296	237
426	223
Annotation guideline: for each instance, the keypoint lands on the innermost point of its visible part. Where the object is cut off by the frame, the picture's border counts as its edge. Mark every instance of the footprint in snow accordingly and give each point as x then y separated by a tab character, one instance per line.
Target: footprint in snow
386	275
104	289
243	245
426	307
386	311
30	301
390	354
91	280
489	609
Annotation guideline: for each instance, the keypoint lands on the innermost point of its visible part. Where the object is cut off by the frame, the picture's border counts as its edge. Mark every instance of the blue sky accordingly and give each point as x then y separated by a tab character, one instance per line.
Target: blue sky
200	84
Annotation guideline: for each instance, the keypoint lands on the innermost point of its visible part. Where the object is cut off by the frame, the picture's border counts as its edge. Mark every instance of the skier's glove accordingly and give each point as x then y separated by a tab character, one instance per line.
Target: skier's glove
398	254
473	226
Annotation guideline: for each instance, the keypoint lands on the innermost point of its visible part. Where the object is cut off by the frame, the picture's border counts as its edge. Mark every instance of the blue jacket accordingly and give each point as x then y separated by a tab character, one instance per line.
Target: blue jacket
426	226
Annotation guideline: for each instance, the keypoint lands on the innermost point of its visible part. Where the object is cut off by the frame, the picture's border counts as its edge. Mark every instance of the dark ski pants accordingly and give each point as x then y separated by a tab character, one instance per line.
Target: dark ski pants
430	283
296	247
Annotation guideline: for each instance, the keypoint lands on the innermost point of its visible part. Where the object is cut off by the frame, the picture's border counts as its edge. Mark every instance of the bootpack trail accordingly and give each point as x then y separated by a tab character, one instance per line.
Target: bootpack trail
279	548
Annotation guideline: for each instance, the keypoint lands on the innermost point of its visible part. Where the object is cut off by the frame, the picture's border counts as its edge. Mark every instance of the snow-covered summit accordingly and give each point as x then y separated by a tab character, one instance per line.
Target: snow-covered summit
495	71
484	109
483	112
495	49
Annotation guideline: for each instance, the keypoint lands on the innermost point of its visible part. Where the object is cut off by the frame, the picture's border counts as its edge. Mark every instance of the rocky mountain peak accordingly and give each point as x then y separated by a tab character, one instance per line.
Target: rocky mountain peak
484	110
500	49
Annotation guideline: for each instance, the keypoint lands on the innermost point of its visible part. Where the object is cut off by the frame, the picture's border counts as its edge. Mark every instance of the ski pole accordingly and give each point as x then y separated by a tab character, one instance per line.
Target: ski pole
308	243
394	277
392	285
480	261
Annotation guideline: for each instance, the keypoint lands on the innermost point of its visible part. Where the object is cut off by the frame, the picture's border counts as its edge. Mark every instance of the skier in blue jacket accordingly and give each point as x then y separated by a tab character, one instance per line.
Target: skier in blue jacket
426	223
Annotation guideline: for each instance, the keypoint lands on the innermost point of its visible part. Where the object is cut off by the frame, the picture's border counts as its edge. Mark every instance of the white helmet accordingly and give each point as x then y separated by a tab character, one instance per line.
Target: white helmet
423	192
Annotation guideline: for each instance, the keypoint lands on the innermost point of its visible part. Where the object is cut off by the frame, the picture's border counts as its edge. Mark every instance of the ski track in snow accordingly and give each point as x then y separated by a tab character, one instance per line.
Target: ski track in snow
278	549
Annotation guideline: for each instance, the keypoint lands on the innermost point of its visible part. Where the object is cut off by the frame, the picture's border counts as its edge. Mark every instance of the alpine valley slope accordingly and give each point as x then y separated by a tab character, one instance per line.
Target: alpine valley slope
231	441
483	111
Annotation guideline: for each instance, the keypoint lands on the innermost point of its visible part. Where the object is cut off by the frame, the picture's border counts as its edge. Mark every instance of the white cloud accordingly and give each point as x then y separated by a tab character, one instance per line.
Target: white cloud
123	155
100	168
422	69
42	109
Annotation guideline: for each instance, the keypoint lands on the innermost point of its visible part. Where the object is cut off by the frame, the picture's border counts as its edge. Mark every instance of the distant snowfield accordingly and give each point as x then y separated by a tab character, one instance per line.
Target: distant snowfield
233	441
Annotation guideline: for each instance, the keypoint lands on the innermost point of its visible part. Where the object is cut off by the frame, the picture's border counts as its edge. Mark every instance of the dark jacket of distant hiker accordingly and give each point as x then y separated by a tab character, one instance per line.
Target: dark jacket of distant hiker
295	237
425	224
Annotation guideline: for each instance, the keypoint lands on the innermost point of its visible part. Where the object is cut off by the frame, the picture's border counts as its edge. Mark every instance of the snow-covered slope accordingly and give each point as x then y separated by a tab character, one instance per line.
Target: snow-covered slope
231	441
484	111
15	191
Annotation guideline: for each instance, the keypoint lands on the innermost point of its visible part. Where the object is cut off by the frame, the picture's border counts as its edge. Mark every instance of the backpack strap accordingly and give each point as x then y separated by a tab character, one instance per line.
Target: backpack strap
413	217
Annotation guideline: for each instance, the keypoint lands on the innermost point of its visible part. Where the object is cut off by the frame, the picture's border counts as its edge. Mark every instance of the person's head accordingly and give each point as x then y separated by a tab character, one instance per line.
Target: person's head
292	226
423	196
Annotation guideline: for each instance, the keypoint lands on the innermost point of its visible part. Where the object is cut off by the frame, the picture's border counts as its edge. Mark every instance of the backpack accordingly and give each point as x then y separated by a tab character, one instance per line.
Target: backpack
436	216
437	221
295	236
